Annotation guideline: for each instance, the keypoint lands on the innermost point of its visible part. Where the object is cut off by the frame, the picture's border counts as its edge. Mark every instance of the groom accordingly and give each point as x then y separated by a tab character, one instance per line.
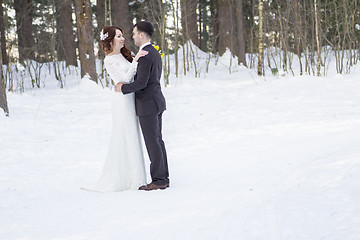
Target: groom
150	104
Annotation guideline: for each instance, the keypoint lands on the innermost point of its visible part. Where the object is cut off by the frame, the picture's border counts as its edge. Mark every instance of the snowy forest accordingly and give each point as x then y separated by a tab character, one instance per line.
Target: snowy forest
262	34
261	128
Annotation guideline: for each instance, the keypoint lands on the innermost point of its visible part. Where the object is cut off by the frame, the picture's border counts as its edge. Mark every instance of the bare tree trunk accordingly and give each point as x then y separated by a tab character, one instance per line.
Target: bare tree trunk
175	7
85	34
201	23
23	13
261	54
215	25
305	38
355	40
66	45
283	37
185	35
189	21
297	32
100	18
159	17
347	46
254	49
240	32
337	48
3	37
233	35
59	44
110	13
121	18
3	99
225	27
317	37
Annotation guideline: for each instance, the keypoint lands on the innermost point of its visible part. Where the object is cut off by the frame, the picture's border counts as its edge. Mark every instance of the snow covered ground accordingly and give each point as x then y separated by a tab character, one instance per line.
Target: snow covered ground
249	159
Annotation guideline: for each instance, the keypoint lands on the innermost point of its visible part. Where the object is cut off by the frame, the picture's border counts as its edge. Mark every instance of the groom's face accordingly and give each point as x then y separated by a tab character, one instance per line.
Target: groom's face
137	37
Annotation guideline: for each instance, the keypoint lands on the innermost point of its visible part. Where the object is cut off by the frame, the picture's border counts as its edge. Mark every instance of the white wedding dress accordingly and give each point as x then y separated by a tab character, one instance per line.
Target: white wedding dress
124	165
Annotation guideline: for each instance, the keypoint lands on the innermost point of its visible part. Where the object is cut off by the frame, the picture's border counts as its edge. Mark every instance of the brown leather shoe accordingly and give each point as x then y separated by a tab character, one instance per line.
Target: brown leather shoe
152	186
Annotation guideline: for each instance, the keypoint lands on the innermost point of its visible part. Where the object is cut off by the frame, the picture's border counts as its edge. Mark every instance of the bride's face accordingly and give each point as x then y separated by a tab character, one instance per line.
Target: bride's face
119	40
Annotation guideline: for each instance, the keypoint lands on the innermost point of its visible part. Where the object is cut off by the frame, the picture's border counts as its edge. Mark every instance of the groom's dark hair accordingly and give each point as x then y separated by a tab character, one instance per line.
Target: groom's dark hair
146	27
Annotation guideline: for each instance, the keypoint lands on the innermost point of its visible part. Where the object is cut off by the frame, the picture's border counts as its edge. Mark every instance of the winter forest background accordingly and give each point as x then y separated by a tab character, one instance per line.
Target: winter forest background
275	35
262	126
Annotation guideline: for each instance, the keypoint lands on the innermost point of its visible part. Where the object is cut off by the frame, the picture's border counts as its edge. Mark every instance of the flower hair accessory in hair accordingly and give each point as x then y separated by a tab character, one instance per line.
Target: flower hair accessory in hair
103	36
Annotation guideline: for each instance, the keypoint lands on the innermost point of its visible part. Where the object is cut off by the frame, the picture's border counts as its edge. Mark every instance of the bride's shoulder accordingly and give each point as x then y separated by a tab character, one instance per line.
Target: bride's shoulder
114	57
109	59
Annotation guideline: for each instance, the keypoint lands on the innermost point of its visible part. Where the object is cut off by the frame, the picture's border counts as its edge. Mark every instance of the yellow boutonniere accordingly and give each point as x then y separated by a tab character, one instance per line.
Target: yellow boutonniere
159	50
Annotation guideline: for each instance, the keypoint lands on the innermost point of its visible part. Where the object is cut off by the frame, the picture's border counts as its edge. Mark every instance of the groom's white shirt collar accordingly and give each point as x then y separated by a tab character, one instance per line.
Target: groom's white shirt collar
145	44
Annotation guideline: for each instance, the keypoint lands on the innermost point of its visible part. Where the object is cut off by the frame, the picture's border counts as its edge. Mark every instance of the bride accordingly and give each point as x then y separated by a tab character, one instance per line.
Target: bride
124	165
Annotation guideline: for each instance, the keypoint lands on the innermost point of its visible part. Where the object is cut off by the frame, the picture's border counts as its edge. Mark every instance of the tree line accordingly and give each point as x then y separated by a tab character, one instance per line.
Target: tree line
275	34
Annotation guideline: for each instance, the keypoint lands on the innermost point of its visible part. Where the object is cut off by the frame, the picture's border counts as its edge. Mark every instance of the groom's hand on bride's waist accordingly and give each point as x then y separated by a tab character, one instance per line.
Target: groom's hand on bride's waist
118	87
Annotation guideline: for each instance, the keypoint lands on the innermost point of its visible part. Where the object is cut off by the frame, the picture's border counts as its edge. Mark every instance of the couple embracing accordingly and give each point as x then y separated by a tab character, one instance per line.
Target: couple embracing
137	99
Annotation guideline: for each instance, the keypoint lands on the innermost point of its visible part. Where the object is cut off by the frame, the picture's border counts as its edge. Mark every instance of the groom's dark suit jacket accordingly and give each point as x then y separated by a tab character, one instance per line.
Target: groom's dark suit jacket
150	103
149	99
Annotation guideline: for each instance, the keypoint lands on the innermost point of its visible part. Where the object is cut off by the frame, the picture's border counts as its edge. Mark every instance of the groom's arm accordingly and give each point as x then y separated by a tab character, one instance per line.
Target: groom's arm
143	74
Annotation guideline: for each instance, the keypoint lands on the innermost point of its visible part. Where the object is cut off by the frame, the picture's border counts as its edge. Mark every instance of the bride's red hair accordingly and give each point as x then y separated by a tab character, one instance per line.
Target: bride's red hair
106	43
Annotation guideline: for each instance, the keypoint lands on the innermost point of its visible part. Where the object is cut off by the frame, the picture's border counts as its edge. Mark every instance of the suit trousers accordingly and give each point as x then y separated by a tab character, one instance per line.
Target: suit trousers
151	127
